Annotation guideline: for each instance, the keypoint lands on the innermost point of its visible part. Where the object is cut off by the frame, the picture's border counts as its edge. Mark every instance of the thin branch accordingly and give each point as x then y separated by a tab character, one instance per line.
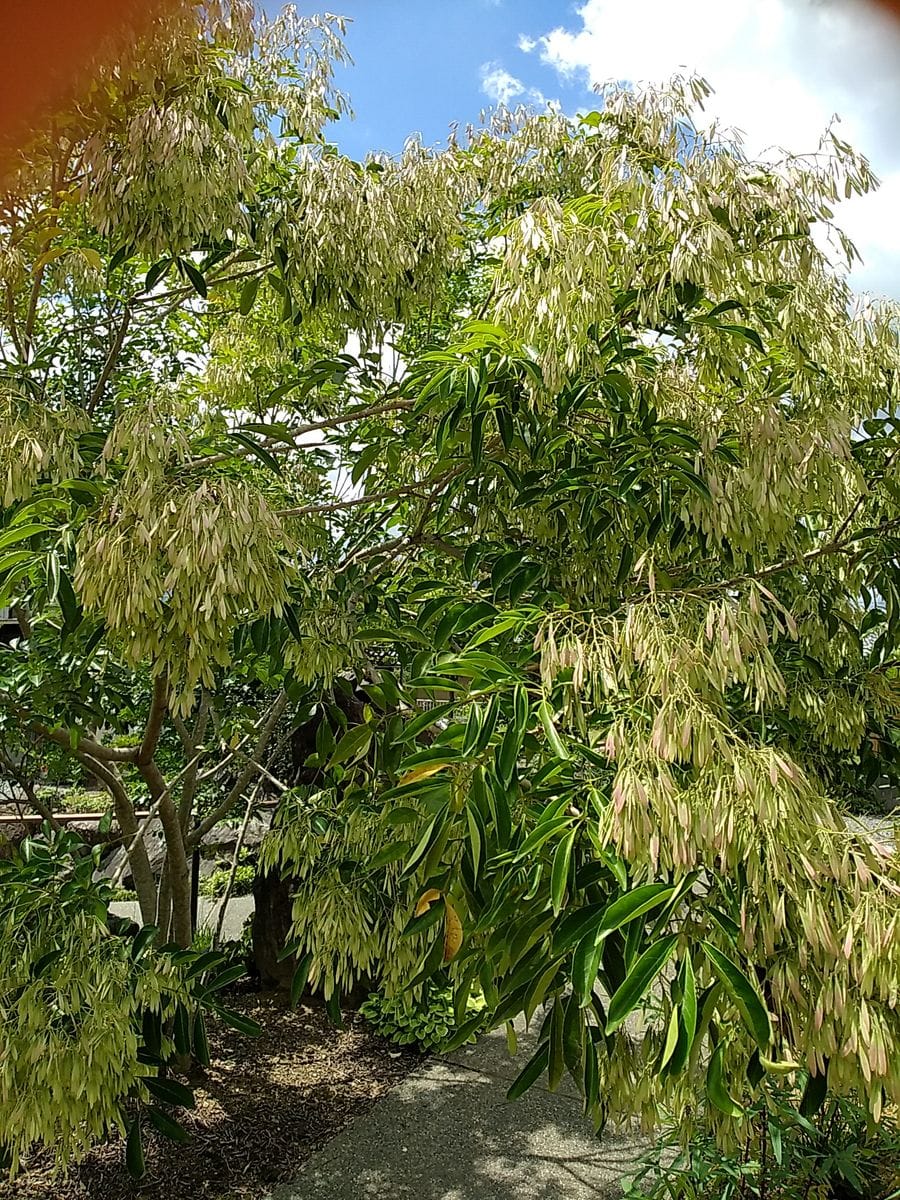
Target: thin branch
111	359
27	787
238	846
188	290
212	819
338	505
356	414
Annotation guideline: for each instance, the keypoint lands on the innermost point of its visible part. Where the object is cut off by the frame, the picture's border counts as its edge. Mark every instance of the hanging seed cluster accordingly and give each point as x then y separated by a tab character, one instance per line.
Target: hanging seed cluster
172	561
68	1025
819	903
37	442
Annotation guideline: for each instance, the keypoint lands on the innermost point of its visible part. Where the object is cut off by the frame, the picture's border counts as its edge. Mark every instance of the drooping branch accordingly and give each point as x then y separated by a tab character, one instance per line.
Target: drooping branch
212	819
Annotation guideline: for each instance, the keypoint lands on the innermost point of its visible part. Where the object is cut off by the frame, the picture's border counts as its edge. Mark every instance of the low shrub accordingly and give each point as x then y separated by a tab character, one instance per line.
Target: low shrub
838	1153
428	1022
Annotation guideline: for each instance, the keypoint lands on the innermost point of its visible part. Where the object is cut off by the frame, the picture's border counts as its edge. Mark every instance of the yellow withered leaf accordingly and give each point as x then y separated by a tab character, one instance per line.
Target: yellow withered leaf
426	900
453	933
421	772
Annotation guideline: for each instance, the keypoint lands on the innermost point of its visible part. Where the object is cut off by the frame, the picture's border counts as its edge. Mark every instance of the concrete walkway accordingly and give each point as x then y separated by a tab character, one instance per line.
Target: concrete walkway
239	909
447	1132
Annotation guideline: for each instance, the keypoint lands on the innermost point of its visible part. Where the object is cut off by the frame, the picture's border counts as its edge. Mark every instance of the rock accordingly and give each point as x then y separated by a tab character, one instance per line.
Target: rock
223	838
156	852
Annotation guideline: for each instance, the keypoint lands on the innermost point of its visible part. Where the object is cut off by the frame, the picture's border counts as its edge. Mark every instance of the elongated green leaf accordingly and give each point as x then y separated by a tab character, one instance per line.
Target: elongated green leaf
425	720
352	745
535	995
167	1125
245	1025
814	1095
634	904
19	533
300	976
493	631
134	1151
715	1085
671	1037
745	996
530	1073
550	730
248	294
556	1064
170	1091
201	1043
559	874
542	833
638	981
143	939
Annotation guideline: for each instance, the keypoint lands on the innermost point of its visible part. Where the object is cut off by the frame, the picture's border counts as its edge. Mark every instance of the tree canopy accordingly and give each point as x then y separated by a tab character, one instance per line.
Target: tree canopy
625	514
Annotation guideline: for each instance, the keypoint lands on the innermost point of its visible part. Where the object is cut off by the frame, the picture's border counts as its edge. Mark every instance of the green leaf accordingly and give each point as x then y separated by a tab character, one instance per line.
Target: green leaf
493	631
715	1085
556	1060
814	1095
687	1026
333	1008
248	294
170	1091
181	1030
19	533
388	854
530	1073
134	1151
167	1126
142	940
301	975
201	1043
539	835
745	996
245	1025
352	745
638	981
745	334
559	874
425	720
505	565
550	731
476	839
266	457
157	272
425	843
540	986
671	1037
634	904
198	283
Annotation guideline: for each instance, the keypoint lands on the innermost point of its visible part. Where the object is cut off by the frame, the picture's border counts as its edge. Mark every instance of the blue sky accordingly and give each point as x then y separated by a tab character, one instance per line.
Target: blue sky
419	64
780	70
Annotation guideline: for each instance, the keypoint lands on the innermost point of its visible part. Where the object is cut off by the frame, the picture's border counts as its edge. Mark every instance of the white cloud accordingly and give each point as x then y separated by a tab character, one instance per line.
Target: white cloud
526	44
498	85
501	87
781	70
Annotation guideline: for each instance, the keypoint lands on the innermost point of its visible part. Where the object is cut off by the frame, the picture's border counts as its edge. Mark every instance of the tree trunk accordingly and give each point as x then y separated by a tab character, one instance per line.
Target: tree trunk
271	927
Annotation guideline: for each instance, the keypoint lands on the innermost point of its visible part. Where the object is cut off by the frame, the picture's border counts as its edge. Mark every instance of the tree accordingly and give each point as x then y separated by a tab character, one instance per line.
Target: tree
626	516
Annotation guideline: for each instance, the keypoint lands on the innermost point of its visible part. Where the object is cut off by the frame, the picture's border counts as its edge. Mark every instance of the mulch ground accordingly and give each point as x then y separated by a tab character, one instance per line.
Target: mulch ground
263	1106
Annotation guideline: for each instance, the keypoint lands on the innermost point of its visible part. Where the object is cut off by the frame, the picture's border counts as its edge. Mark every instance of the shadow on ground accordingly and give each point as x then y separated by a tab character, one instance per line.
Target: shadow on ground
447	1132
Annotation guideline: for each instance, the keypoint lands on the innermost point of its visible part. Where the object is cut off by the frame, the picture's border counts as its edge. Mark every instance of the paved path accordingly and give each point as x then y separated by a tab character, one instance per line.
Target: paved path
239	909
447	1132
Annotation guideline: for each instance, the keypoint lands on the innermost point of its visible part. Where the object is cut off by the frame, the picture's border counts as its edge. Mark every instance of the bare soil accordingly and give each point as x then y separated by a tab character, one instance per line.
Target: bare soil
263	1106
